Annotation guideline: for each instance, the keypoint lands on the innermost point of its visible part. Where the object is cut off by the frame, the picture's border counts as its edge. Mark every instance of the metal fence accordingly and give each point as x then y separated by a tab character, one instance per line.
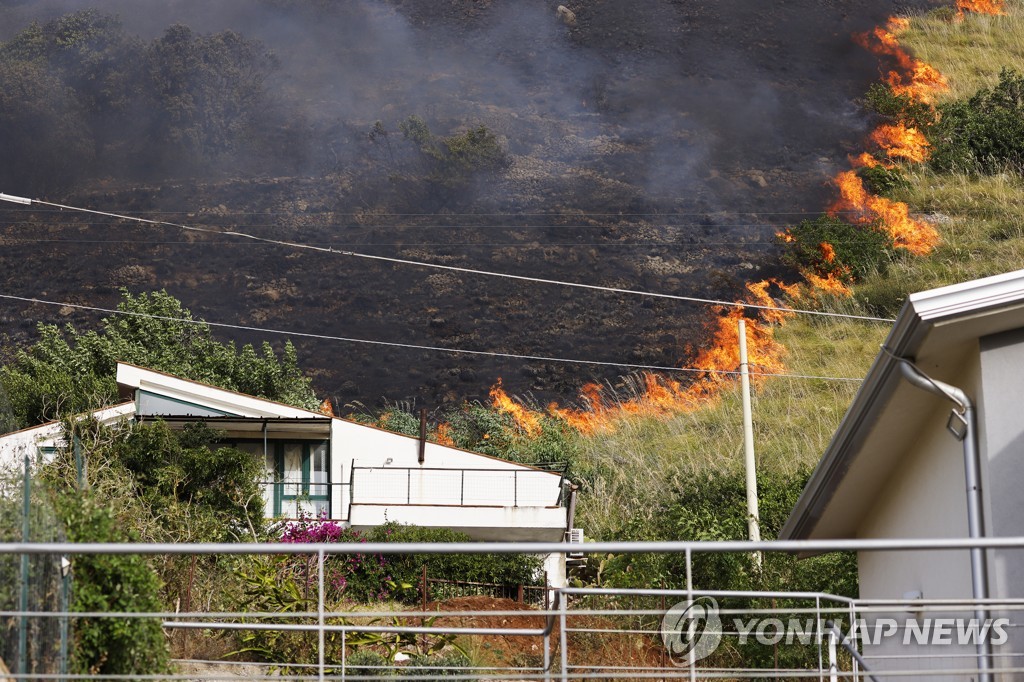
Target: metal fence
596	633
462	487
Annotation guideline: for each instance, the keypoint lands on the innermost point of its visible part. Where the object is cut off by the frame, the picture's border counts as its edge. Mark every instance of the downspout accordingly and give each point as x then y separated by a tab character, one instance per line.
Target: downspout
965	414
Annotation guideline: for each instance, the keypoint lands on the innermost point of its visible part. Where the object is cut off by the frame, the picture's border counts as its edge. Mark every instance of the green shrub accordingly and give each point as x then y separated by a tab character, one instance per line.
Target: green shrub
852	252
451	161
117	583
501	569
438	665
883	181
984	133
899	107
366	663
712	508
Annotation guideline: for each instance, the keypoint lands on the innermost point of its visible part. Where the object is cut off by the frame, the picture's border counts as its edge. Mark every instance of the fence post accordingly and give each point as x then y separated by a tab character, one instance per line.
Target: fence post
408	486
689	600
515	488
423	599
26	493
833	665
519	594
320	612
563	639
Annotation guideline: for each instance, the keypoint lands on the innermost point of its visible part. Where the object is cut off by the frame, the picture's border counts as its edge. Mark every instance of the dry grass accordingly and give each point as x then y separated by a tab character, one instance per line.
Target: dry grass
981	221
647	458
970	52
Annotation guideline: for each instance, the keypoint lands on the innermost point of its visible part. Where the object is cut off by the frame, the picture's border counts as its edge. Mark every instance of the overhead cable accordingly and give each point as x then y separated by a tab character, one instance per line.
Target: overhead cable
450	268
413	346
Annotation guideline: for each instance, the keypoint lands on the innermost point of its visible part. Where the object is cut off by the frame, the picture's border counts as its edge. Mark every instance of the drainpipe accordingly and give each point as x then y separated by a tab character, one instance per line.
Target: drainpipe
967	432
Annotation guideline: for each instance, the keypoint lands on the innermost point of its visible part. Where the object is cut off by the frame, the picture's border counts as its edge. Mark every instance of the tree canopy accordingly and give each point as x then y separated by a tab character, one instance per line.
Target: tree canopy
68	371
112	101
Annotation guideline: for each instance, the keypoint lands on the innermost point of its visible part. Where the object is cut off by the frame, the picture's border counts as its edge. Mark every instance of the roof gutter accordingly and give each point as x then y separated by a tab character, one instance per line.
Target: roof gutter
963	426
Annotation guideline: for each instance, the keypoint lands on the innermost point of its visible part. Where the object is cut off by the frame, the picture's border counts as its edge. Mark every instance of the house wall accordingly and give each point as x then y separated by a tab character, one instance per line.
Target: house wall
398	478
1002	450
923	498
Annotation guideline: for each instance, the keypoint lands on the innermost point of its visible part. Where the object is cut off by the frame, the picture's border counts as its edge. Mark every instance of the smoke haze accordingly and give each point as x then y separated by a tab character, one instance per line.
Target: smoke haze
653	144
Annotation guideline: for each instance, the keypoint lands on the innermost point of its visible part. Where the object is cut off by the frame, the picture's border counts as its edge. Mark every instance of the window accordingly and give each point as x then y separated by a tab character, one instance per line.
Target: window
297	479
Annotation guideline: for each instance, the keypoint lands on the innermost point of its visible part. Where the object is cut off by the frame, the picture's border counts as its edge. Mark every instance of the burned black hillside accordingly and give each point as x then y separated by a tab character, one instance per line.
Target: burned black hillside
651	145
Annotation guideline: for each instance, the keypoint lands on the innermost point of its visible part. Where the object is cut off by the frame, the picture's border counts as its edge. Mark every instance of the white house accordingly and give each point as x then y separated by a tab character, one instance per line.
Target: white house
935	449
356	474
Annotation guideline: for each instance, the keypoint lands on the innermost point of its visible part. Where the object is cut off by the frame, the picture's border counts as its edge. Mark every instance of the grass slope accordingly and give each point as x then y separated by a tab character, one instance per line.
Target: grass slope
981	222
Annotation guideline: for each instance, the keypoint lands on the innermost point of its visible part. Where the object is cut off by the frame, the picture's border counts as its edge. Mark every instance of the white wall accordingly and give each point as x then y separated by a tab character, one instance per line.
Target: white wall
448	476
924	497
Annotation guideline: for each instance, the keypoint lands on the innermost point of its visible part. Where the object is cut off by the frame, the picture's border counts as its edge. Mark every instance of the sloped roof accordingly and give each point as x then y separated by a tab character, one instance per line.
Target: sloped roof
938	329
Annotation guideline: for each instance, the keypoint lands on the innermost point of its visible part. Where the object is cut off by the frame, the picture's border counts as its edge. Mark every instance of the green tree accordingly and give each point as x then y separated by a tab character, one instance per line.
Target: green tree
69	371
43	132
209	90
451	161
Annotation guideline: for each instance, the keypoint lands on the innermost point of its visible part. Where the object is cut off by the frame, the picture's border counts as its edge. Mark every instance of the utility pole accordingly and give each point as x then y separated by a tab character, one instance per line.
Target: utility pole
753	516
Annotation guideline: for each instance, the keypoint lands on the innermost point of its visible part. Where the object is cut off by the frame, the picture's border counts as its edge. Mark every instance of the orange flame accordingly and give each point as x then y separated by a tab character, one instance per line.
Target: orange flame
918	80
915	236
716	367
828	252
326	407
525	419
901	142
444	435
830	284
981	6
865	160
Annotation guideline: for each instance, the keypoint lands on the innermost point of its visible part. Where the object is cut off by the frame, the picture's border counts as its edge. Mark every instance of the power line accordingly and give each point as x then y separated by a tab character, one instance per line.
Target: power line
412	346
438	266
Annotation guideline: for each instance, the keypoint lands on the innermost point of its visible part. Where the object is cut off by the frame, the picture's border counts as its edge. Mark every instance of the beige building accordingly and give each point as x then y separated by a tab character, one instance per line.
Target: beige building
900	462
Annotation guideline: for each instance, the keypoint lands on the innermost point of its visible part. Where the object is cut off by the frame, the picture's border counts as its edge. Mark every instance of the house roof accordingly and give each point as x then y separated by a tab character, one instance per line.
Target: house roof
235	406
938	329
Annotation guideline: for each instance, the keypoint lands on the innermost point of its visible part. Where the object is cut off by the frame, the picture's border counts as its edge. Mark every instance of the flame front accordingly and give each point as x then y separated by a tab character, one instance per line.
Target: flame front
716	367
525	419
916	79
982	6
900	142
915	236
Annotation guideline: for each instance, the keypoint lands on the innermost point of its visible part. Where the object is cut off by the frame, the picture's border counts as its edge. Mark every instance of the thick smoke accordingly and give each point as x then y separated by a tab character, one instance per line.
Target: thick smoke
651	144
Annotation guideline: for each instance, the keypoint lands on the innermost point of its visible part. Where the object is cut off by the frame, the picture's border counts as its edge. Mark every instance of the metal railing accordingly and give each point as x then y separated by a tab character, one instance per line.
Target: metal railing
463	487
600	633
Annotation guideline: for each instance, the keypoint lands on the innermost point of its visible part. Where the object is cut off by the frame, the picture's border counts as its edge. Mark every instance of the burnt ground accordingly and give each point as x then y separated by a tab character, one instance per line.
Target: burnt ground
656	144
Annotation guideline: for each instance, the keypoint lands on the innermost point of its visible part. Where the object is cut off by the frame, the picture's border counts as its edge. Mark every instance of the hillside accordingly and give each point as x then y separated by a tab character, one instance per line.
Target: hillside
658	146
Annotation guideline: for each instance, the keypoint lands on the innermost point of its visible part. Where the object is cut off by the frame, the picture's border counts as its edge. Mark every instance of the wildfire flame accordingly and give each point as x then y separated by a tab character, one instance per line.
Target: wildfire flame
915	78
444	435
717	367
527	420
901	142
915	236
921	82
981	6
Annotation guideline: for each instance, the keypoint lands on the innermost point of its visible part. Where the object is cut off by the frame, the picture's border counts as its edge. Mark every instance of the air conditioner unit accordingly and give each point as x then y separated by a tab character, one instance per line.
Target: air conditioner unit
575	538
